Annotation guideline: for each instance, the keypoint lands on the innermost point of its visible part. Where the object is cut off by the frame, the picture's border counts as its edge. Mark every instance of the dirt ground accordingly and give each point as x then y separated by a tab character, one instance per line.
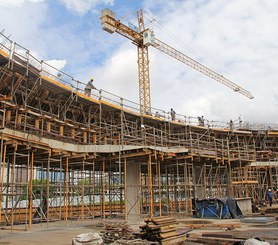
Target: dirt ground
44	234
59	233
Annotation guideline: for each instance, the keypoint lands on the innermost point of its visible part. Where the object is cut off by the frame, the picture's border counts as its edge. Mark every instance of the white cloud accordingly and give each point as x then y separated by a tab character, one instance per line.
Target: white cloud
235	38
57	64
118	74
11	3
16	3
23	22
53	67
83	6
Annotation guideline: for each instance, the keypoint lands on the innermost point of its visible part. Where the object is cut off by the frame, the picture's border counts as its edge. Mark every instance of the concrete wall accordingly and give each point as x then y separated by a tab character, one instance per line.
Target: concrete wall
245	205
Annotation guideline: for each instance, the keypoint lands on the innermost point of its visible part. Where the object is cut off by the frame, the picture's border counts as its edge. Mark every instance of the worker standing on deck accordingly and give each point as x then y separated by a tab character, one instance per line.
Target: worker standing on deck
231	124
269	196
173	114
201	121
89	87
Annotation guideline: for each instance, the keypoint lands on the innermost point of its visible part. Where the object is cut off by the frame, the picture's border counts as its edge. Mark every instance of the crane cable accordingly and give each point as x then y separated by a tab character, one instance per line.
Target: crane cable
198	57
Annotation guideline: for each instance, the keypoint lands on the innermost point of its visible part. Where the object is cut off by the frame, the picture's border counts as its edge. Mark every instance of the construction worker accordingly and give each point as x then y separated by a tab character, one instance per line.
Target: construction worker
231	124
201	121
157	114
173	114
89	87
239	122
269	195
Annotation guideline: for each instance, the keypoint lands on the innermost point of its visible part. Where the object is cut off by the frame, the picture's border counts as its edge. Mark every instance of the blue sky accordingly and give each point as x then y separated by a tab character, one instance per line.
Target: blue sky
235	38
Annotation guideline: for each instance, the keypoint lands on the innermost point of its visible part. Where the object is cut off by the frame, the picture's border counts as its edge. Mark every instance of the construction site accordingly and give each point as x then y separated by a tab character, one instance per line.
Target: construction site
69	155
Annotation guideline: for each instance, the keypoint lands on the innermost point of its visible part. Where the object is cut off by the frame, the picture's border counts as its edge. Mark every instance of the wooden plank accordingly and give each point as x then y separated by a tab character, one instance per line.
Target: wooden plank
5	98
212	240
198	226
245	182
169	234
168	230
174	240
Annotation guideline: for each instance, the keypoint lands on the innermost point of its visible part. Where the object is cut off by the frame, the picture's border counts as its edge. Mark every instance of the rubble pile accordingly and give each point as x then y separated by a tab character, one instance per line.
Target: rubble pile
115	231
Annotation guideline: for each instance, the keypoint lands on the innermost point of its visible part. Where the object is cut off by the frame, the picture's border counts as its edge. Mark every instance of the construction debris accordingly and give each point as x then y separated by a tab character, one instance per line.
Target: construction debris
116	231
162	230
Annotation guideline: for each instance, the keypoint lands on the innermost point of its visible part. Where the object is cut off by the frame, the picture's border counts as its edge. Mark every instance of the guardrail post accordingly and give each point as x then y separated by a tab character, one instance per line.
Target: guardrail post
77	83
11	55
27	62
100	91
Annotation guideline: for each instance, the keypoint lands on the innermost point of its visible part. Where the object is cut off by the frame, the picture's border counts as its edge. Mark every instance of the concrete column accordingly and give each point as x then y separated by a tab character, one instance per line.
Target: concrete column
199	186
132	190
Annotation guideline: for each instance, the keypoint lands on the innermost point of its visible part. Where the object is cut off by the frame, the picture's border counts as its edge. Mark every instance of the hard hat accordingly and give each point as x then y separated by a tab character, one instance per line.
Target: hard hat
92	78
269	189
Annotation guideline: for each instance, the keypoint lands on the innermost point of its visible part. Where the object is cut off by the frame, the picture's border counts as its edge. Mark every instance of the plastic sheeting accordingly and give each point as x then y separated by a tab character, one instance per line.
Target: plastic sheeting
254	241
218	208
87	239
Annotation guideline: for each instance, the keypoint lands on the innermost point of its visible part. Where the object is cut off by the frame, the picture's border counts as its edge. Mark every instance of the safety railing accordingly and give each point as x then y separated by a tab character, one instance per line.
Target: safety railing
17	53
5	44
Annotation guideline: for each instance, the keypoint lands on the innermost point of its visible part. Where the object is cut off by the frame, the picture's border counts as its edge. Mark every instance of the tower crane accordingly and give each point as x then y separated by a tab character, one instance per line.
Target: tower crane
143	38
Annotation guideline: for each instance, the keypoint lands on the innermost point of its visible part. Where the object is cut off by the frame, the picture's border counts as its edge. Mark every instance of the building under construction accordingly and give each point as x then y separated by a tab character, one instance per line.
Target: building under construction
66	155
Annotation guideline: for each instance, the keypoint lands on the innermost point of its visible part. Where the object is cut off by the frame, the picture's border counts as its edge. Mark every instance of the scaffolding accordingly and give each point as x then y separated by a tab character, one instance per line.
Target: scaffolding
65	155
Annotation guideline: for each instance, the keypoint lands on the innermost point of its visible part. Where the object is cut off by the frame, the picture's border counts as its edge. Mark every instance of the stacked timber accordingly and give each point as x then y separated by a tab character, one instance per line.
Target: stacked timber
115	231
160	229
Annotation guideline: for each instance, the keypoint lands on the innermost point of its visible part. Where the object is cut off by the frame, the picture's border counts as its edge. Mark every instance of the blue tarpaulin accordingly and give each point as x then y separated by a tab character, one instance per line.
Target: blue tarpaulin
217	208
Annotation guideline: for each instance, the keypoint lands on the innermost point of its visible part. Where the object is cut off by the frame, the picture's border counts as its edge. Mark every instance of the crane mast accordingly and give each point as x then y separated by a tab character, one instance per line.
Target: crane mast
143	38
143	70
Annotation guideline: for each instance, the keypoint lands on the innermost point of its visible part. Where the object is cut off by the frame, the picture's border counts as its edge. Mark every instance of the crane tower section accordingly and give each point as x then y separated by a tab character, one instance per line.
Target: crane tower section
142	39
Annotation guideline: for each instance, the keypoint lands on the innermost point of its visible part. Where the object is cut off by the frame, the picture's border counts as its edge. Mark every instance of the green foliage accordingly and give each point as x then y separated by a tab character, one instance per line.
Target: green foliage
87	187
39	189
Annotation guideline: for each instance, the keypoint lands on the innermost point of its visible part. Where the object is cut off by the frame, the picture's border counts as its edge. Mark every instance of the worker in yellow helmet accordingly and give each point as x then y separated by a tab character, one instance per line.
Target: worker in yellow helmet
89	87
